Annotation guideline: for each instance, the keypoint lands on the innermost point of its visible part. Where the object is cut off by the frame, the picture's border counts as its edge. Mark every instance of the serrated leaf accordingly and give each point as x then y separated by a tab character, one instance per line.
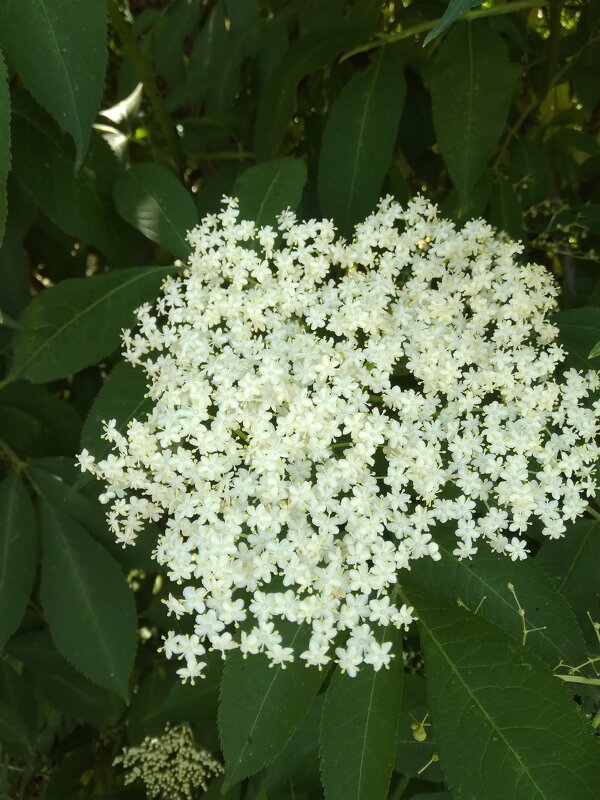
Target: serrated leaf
80	204
151	199
59	50
89	607
64	687
573	561
4	142
260	706
579	331
505	726
454	10
79	321
267	189
359	139
358	730
481	583
18	554
276	106
122	398
471	87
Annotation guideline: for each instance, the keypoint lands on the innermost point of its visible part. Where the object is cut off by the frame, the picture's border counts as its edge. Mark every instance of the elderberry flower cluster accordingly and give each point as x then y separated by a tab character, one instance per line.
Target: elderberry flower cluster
170	765
320	406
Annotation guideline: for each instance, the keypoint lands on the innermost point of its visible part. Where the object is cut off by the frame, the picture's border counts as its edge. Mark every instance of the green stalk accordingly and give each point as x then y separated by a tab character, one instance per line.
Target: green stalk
425	27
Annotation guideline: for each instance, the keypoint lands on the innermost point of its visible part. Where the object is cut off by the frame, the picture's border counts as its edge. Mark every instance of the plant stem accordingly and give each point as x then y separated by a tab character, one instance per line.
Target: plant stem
133	50
424	27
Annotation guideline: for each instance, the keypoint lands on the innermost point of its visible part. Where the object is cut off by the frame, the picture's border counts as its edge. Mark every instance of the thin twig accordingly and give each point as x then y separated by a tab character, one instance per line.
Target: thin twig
424	27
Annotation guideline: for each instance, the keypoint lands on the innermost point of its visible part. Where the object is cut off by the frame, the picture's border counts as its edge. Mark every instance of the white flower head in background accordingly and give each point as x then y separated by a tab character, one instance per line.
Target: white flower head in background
320	407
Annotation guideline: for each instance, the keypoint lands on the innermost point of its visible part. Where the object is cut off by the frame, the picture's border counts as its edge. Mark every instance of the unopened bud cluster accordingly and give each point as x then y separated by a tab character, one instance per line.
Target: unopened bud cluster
170	766
320	406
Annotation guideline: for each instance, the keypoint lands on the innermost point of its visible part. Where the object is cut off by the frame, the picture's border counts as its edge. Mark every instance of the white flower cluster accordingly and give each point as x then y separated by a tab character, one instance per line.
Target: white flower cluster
170	766
320	406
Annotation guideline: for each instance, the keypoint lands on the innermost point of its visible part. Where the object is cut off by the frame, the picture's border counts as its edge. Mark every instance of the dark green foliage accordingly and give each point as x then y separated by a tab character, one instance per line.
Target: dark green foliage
121	125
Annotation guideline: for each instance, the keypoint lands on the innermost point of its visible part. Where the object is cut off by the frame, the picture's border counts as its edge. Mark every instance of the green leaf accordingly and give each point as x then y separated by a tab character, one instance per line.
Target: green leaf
65	688
296	768
595	351
358	730
471	87
359	139
4	142
18	554
60	490
454	10
81	203
87	603
35	422
505	211
267	189
208	46
79	321
122	398
151	199
59	50
185	701
579	331
481	583
18	693
573	561
261	707
13	731
307	55
504	725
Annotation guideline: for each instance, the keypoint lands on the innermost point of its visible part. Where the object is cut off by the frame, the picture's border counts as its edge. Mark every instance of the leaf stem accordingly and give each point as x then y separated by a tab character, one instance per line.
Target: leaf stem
593	513
424	27
131	47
